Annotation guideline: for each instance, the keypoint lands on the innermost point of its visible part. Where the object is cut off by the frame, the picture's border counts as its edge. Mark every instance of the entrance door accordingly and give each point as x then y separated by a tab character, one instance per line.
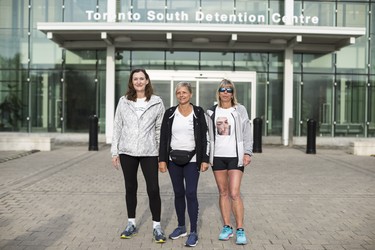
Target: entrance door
204	84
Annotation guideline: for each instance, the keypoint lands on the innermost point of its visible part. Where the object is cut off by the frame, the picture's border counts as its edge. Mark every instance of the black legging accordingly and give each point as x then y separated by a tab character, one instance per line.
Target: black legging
149	166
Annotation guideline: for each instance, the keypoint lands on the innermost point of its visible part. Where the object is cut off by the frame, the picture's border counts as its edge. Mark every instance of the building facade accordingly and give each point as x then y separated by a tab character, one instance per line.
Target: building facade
64	60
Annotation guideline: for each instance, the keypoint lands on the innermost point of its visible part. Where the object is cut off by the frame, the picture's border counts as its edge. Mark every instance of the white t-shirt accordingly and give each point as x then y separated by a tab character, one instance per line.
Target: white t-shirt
183	132
140	106
225	139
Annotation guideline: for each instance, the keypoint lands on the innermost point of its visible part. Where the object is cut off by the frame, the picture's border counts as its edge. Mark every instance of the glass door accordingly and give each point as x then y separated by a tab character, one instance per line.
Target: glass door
204	84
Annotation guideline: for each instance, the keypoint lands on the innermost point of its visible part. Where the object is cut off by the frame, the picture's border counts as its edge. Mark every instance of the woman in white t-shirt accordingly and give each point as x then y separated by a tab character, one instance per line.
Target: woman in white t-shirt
231	145
184	130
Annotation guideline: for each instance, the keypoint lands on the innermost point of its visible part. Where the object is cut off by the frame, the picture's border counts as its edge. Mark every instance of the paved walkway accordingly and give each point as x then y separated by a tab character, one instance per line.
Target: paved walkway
71	198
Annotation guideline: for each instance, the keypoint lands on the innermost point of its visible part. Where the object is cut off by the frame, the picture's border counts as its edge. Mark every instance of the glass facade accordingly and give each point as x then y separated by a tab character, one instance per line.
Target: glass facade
46	88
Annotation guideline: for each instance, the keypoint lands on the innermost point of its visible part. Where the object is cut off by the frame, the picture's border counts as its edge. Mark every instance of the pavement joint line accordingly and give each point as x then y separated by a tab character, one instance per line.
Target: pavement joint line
44	173
18	155
347	165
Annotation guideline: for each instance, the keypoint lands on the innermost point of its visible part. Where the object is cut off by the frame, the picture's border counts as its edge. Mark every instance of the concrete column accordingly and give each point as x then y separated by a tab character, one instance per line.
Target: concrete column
289	11
288	94
288	80
110	93
110	78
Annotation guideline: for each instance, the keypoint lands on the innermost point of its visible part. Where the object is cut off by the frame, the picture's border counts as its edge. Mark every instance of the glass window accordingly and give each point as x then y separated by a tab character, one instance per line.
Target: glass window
46	11
46	101
79	11
147	59
315	102
257	11
183	60
14	14
14	48
350	93
353	59
184	8
80	59
13	101
275	104
216	61
325	11
79	106
317	63
371	108
216	11
148	11
276	62
251	62
40	59
352	14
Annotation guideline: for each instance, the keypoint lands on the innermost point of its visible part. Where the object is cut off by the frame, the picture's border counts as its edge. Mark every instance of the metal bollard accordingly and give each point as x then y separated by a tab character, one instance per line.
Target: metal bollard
257	135
311	137
93	133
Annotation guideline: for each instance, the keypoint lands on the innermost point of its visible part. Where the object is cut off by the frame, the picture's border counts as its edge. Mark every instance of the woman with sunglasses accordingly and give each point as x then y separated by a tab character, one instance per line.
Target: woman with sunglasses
231	145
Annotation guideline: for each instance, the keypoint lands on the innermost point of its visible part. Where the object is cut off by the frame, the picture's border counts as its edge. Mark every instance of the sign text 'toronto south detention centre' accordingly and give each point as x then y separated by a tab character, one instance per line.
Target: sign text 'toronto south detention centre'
199	16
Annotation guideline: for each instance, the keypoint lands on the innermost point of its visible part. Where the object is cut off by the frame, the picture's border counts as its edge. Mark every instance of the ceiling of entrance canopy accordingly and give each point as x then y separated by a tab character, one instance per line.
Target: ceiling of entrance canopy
202	37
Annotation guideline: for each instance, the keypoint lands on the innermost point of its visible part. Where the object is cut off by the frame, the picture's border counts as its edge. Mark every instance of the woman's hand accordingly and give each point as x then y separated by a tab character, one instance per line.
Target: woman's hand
246	159
162	166
204	166
116	162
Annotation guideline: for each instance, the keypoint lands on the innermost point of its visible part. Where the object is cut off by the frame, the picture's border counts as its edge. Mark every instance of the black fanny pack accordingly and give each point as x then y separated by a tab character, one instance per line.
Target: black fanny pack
181	157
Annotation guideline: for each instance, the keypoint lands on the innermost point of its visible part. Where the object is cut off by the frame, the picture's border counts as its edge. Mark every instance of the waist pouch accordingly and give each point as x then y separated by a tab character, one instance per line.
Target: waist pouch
181	157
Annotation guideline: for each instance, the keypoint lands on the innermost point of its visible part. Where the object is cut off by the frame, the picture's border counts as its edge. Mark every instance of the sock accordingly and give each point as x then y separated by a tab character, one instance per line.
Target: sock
132	221
155	223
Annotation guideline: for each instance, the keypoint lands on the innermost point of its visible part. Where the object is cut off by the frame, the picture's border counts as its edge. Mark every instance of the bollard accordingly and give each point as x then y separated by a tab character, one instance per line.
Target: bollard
93	133
257	135
311	137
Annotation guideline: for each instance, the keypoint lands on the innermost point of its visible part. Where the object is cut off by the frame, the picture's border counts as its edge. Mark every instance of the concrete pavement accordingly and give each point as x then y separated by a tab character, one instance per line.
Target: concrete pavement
71	198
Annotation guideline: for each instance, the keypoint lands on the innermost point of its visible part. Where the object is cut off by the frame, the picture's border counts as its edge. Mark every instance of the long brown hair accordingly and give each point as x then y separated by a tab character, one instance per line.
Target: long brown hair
131	94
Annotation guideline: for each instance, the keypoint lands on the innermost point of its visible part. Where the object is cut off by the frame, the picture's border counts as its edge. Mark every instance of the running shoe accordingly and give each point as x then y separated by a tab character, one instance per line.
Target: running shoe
192	240
158	235
226	233
180	231
129	231
241	237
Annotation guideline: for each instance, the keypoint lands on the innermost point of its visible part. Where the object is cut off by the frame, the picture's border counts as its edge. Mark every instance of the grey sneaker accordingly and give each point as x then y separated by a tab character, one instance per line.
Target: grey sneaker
129	231
158	235
180	231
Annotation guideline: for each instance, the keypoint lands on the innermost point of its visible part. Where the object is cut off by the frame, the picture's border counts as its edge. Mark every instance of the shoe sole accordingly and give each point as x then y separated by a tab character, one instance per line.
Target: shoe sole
225	239
175	238
160	241
127	237
191	245
241	243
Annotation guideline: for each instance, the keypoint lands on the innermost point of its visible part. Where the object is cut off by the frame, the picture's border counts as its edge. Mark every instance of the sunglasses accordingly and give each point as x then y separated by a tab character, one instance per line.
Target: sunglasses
229	90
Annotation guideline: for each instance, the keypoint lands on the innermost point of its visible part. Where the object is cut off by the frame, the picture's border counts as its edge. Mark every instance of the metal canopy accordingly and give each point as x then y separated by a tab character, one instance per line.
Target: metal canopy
202	37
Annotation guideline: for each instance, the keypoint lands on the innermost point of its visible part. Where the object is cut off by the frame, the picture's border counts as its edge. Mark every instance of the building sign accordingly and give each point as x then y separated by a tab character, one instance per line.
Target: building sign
200	16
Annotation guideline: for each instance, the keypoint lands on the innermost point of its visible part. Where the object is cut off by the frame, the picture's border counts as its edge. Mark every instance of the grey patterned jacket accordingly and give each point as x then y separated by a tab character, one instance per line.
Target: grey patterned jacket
137	136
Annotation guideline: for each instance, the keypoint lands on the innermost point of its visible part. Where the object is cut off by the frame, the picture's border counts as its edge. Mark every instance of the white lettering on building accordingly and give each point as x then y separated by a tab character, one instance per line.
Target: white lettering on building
200	16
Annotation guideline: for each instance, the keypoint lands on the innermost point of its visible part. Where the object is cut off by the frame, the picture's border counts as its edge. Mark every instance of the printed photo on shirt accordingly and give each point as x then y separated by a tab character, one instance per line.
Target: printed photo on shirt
222	126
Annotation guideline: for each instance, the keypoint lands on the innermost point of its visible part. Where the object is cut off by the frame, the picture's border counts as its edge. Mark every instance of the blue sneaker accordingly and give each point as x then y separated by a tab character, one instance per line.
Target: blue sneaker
180	231
129	231
226	233
192	240
241	237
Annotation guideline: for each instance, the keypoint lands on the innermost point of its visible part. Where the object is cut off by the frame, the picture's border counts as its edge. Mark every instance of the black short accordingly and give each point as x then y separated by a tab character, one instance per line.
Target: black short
226	163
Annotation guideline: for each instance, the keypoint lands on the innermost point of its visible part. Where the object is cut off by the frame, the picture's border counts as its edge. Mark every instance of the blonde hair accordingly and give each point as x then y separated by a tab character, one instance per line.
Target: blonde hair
227	83
184	84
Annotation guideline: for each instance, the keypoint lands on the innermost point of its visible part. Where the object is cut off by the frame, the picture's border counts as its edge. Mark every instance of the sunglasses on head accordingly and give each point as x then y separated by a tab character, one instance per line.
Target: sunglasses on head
229	90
